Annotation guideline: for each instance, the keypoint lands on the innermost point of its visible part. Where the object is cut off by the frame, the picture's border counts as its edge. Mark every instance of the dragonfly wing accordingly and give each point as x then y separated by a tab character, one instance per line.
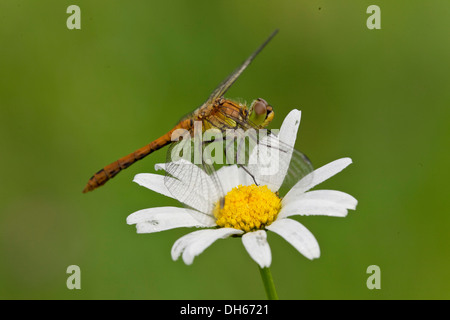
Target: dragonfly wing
264	158
226	84
264	154
275	163
195	185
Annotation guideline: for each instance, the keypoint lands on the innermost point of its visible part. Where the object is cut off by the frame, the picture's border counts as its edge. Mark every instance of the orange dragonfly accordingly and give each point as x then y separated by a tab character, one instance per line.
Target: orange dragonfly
216	112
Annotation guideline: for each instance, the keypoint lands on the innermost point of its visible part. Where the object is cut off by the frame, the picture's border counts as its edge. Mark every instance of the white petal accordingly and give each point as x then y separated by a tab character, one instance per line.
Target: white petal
229	177
160	166
289	128
165	218
297	235
244	178
312	208
316	177
154	182
192	244
319	202
258	248
287	138
338	197
266	164
270	159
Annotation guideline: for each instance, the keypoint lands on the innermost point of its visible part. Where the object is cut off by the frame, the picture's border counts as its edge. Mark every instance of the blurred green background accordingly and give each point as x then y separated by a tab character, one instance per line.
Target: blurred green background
72	101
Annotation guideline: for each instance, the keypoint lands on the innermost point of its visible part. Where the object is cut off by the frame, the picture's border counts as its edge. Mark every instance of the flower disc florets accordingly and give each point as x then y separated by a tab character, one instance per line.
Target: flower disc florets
248	208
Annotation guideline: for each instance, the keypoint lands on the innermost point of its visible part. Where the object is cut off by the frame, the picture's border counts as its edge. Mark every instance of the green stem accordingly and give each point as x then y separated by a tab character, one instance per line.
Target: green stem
268	283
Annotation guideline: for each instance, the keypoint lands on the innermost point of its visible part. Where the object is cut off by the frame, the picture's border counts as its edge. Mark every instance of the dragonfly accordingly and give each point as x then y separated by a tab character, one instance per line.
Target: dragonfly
217	113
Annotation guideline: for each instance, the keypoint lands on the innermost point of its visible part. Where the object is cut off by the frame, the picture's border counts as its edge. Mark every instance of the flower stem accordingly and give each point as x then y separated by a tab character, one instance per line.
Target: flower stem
266	277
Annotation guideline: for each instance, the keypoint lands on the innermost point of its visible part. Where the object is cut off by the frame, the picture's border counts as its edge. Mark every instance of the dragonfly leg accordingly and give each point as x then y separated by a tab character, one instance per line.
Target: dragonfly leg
246	170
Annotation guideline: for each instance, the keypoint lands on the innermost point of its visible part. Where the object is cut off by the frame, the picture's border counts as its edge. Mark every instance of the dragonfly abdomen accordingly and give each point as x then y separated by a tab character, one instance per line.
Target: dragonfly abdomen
111	170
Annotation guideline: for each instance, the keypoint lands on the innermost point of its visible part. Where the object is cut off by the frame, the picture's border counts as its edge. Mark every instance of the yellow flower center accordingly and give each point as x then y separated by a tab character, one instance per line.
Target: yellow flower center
248	208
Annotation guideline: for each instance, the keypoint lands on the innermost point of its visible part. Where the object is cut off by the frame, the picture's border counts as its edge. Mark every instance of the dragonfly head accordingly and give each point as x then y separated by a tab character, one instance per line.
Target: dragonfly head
261	113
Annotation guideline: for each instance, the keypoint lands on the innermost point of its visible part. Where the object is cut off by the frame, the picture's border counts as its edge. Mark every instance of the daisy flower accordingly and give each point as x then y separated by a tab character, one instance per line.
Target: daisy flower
249	210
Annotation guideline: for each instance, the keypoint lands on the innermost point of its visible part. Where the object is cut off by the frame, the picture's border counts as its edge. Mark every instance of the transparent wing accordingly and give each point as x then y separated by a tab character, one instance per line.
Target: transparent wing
262	154
268	160
227	83
190	179
191	165
275	163
223	87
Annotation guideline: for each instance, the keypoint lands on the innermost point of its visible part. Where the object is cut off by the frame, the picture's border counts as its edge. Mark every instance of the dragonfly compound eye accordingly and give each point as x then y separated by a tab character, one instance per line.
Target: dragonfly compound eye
260	107
260	113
